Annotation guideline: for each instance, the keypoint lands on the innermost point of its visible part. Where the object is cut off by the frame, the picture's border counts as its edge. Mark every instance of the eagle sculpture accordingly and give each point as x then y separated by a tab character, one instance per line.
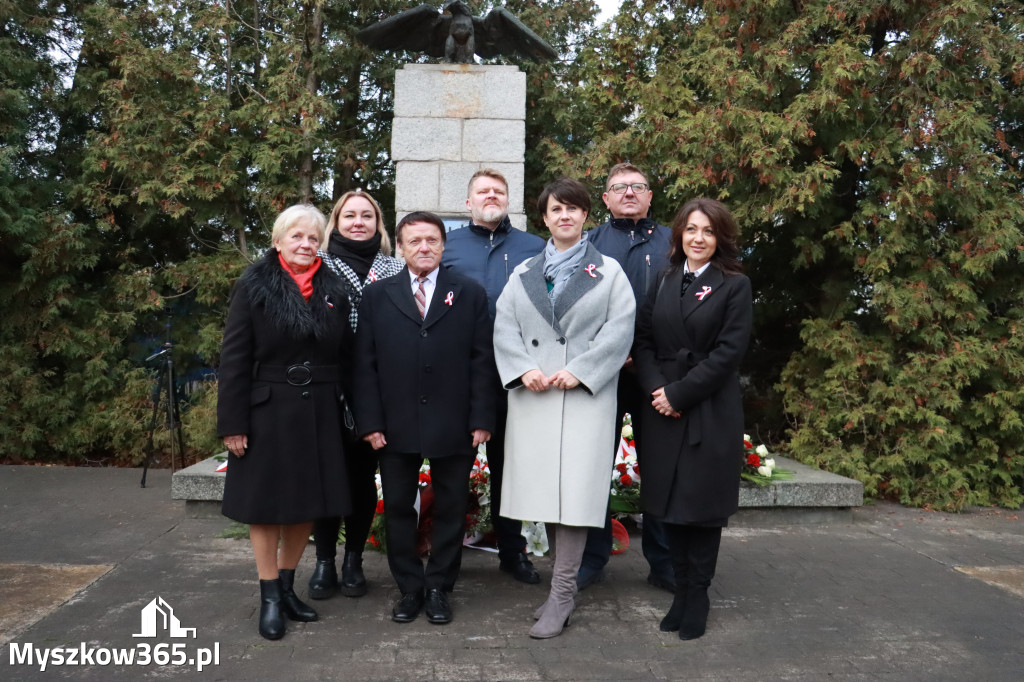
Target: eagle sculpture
456	34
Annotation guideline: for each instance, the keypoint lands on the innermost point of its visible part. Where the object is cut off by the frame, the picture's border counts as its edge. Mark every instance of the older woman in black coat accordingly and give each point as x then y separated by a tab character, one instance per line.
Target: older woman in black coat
690	338
278	407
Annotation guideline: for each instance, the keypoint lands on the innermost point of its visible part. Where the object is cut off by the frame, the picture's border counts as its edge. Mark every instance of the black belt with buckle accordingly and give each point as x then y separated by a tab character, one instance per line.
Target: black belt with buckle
298	375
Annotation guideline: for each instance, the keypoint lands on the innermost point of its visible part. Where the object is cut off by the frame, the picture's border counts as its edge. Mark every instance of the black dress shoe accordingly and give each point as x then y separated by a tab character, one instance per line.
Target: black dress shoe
664	582
408	607
521	569
588	576
439	611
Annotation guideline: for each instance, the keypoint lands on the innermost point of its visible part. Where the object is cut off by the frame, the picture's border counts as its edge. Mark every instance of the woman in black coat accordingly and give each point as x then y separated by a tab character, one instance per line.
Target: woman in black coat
279	410
690	338
357	249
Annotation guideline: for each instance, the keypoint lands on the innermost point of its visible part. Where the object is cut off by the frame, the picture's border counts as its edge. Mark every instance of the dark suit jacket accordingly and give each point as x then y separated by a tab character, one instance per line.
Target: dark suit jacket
693	347
426	384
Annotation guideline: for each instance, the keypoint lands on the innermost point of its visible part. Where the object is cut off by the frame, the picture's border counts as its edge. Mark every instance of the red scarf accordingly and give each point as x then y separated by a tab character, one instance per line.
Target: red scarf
303	279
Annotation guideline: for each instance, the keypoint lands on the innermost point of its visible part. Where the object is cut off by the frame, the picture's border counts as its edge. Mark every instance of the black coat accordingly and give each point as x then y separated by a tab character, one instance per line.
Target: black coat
693	347
294	468
425	384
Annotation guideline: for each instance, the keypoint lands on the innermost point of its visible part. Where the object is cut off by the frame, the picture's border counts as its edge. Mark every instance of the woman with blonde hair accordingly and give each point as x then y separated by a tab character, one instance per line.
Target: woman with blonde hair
359	250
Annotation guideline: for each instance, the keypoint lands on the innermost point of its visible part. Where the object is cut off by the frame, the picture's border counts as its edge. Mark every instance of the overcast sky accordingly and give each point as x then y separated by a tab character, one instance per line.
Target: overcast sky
608	9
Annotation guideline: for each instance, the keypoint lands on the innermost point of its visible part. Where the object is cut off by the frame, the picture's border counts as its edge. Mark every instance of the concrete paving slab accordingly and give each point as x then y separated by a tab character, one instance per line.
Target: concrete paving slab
883	597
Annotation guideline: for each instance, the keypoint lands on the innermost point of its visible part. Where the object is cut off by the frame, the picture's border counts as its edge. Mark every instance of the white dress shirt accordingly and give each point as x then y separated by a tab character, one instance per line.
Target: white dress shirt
428	287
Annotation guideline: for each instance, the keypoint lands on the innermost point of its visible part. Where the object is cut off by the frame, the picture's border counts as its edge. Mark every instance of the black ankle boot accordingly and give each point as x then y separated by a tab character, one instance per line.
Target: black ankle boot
271	618
324	581
291	605
695	616
353	582
674	617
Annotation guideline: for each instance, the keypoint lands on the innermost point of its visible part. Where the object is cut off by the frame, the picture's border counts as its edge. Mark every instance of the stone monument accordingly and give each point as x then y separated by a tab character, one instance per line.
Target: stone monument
451	120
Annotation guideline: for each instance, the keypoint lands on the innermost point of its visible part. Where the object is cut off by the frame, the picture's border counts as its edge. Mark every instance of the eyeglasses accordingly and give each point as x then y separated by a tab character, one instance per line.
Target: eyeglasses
637	187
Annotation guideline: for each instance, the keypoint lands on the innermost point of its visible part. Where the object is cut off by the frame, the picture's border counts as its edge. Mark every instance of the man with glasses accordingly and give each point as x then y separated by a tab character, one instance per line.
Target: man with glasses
487	250
641	247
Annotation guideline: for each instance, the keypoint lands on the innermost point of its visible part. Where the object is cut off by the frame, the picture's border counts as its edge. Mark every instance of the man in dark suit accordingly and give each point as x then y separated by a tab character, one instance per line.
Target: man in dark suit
423	389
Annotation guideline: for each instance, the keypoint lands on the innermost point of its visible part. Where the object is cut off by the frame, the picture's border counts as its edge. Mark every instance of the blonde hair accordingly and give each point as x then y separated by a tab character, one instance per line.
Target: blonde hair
292	215
486	173
385	241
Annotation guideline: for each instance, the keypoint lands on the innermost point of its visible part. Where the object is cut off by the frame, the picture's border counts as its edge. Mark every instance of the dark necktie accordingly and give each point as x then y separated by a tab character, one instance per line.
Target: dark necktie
421	297
688	278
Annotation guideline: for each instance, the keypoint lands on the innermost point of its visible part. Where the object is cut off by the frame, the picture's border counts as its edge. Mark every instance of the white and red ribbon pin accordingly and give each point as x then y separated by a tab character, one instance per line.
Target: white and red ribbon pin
373	276
590	270
450	298
705	290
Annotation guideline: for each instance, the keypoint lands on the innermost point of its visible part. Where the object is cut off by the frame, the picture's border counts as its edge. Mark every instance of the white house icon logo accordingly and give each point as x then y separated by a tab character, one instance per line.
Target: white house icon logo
158	614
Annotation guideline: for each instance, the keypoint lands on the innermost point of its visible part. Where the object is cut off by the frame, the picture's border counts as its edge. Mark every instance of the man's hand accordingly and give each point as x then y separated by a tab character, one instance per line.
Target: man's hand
376	440
660	403
564	380
536	381
237	444
480	436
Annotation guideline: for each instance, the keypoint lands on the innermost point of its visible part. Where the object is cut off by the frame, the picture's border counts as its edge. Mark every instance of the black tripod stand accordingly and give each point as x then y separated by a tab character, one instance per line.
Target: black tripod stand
165	386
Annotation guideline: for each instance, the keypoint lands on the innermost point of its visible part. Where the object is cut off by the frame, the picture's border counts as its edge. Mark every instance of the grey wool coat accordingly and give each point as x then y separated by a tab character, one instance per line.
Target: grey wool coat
558	456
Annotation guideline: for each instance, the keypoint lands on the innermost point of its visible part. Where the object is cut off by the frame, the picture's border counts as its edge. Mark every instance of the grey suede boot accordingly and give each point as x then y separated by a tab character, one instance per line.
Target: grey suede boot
569	544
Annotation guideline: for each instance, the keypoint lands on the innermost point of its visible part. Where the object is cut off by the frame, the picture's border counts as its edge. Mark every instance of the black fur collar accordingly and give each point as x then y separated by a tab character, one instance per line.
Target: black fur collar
274	290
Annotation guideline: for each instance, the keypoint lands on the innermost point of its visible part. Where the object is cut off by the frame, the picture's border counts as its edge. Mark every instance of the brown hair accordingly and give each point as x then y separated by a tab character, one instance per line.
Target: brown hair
566	190
619	169
332	222
420	217
486	173
727	233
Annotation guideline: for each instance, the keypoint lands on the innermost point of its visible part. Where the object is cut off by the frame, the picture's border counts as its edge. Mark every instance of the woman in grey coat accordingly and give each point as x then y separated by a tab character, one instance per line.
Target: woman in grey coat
563	329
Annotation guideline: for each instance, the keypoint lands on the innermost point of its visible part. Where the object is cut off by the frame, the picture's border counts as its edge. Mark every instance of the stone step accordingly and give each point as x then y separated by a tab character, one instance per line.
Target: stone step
811	496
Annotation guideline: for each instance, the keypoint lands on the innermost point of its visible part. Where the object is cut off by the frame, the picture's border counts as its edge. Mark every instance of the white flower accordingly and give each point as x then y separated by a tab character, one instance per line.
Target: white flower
536	538
761	450
770	463
746	437
627	432
764	471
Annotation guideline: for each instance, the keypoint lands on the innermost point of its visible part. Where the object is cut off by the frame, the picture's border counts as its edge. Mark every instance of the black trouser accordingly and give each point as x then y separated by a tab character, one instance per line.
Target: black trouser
361	460
449	478
509	531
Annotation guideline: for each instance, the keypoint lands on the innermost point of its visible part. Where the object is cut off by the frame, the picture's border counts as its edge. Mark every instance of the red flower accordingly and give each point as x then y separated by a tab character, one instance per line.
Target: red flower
621	466
424	478
753	459
748	445
626	480
380	506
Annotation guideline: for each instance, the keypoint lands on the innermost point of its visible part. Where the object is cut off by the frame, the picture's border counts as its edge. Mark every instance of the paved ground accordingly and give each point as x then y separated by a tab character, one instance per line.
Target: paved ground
897	594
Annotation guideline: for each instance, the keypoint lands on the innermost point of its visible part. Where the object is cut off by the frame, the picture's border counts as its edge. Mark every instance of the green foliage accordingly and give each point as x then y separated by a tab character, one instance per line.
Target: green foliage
870	149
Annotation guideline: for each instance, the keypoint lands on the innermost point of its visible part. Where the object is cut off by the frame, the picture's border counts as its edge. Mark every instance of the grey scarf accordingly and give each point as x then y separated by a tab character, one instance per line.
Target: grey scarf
559	265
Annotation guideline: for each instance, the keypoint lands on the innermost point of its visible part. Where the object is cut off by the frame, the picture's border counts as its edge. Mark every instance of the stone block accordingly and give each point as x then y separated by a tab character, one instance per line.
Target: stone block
452	183
518	220
426	139
491	140
416	186
199	481
460	91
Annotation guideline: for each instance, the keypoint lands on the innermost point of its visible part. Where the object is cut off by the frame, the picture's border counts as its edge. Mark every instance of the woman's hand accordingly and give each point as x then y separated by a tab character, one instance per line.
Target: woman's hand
660	403
536	381
564	380
376	440
480	436
236	445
